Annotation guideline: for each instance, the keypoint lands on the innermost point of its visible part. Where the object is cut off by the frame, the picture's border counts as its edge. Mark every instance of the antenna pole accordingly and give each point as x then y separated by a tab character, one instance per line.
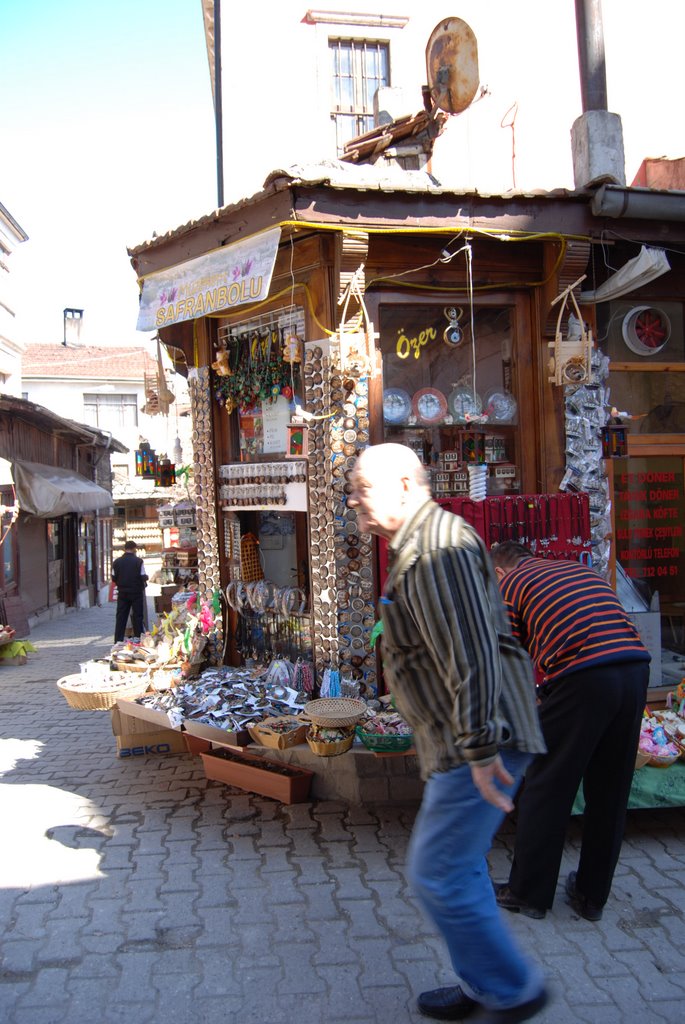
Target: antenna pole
218	112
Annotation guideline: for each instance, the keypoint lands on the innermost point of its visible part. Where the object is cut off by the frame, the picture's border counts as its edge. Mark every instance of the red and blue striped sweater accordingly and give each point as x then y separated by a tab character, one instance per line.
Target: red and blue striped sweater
568	618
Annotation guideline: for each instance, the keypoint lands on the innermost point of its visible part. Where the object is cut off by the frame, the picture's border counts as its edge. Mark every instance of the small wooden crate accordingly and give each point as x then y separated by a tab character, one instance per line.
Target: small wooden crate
263	733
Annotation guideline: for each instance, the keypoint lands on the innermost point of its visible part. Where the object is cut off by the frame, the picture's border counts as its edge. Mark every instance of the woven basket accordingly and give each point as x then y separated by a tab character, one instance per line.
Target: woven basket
662	762
641	759
77	694
385	742
131	666
335	711
262	733
330	749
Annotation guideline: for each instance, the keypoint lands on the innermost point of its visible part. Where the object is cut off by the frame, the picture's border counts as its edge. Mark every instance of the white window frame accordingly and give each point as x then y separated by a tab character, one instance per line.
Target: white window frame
358	115
106	402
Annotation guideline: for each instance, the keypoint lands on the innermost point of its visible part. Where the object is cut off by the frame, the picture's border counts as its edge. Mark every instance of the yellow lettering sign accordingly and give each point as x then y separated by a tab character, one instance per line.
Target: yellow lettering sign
405	346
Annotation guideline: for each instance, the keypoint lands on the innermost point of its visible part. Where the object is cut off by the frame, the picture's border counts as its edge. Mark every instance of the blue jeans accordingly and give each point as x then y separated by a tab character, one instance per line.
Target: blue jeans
449	873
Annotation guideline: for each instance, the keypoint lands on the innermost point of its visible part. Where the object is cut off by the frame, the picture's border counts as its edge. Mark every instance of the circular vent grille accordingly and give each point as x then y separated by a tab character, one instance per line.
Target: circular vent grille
646	330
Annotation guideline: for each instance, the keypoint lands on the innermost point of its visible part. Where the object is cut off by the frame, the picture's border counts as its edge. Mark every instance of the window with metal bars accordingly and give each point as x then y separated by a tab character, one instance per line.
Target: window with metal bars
359	67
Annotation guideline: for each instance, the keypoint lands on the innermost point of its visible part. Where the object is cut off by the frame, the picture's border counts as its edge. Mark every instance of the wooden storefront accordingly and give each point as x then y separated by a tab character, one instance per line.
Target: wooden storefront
457	294
51	553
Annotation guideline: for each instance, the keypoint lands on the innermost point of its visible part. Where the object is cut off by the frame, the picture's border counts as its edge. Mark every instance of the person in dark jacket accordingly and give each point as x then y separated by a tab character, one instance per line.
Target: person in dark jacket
593	672
128	573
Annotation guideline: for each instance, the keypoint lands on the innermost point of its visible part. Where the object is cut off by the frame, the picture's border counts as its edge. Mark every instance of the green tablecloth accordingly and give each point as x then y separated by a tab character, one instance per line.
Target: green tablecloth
652	787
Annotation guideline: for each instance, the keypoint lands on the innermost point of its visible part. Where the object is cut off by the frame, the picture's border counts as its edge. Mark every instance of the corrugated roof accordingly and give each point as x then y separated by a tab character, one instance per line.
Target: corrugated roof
340	175
87	362
379	177
45	419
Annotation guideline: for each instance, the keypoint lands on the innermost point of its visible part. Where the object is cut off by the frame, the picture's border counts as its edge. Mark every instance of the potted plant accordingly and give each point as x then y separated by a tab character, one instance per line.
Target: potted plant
287	783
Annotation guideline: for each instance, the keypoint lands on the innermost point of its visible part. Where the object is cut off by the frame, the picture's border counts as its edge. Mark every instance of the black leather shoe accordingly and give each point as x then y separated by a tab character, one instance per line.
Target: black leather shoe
507	901
515	1013
583	906
449	1003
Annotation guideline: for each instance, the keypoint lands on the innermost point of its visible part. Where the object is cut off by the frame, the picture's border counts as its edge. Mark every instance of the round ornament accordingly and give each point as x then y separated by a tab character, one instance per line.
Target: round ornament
429	406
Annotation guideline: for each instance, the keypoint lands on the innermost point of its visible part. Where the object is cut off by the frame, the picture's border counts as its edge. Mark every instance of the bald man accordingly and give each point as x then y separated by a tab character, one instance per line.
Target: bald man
466	687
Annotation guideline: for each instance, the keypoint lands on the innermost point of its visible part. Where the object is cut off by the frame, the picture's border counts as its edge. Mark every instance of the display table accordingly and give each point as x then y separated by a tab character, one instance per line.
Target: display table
652	787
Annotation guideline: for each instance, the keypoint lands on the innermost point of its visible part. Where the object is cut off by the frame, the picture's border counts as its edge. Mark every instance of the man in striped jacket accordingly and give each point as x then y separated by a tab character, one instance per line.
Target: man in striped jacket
466	687
593	672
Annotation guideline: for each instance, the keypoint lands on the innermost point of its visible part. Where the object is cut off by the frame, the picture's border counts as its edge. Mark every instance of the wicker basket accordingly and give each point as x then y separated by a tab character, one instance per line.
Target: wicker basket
330	749
382	742
79	693
263	734
335	711
641	759
131	666
662	762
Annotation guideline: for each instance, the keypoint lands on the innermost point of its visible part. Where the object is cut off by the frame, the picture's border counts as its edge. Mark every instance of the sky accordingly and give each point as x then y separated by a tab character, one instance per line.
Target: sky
107	130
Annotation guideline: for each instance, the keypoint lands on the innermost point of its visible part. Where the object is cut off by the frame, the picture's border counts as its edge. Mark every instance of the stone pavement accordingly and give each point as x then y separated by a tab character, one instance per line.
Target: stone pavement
135	890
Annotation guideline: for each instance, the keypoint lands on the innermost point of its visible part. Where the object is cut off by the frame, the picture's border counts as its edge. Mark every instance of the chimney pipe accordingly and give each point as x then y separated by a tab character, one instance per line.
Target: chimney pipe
597	135
590	36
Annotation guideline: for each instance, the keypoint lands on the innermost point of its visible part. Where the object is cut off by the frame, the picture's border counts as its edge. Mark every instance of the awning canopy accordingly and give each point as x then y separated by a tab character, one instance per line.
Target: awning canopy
48	491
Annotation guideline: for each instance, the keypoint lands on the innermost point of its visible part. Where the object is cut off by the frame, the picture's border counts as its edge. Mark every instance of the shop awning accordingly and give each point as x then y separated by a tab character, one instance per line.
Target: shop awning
48	491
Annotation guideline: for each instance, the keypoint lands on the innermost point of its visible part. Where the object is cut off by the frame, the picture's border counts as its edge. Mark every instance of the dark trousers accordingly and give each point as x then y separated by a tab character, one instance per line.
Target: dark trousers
127	604
591	724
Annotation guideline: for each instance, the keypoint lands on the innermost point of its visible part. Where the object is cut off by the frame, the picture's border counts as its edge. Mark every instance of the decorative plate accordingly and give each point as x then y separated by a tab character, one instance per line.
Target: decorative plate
500	406
396	405
429	405
464	403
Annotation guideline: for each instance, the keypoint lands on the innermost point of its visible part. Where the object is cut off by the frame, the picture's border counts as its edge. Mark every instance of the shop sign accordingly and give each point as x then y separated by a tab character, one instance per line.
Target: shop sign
219	280
275	420
650	513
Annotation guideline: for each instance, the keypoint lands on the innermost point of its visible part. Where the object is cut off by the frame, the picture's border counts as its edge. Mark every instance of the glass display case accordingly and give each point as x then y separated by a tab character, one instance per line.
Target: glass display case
448	392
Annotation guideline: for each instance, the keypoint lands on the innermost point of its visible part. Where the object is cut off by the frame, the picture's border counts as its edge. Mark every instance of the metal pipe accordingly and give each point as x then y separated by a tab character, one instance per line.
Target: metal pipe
218	108
591	59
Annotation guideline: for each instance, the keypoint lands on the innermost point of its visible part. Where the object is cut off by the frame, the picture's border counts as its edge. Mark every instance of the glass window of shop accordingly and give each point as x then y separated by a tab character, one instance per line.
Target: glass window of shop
8	563
55	542
649	517
450	392
645	344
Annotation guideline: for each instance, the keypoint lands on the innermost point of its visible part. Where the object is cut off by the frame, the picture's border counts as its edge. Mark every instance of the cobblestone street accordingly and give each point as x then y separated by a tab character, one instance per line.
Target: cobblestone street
135	890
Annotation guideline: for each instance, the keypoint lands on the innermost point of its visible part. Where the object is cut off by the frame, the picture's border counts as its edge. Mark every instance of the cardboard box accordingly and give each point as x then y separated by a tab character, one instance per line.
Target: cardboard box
127	725
154	719
150	744
216	735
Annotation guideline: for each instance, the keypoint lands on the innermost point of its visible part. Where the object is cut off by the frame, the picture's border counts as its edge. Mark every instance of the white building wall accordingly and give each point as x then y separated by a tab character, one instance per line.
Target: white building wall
11	235
65	397
276	87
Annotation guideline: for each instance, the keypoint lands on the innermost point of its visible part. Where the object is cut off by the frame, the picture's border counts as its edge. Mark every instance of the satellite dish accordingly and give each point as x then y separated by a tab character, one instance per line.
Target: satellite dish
452	65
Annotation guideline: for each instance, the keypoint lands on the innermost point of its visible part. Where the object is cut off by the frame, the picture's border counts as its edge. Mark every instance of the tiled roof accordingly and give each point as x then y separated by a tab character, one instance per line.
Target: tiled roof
87	362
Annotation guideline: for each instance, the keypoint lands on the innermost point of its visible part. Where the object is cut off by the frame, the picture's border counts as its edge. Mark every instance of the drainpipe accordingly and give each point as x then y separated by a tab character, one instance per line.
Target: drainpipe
639	203
597	135
218	105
